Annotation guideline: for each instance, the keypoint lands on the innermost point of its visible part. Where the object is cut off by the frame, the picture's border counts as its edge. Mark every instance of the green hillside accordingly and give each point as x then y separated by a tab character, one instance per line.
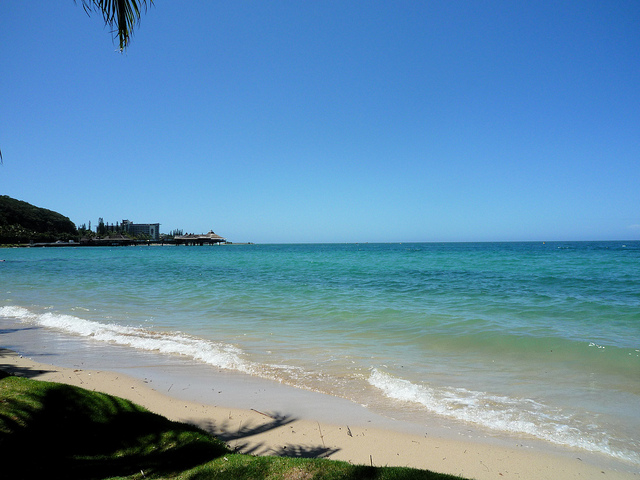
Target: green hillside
21	222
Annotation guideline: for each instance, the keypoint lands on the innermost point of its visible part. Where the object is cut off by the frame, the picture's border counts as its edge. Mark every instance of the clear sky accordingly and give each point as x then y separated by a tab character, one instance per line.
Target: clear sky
330	121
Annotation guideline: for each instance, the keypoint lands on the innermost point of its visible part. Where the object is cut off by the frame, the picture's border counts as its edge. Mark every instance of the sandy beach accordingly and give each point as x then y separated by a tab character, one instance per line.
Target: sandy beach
261	431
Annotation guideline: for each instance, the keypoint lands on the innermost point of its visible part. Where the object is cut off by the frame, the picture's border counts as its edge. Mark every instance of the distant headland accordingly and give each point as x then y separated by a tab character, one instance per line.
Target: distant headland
24	224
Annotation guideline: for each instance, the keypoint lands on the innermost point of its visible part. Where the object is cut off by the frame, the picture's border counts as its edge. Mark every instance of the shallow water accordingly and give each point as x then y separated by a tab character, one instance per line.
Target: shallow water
535	340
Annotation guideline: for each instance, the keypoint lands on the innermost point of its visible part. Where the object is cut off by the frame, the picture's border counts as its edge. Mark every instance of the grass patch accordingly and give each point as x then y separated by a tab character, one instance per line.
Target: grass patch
50	430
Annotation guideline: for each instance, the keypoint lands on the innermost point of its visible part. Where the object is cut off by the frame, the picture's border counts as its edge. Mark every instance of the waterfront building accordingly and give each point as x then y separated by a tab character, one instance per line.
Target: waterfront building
151	229
210	238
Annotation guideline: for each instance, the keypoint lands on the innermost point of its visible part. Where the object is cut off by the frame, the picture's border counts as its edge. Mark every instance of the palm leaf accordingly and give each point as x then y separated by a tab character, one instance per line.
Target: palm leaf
122	15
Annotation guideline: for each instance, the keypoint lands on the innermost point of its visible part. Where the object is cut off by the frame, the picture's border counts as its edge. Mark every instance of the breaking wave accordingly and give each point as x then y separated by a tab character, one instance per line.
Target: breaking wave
501	413
212	353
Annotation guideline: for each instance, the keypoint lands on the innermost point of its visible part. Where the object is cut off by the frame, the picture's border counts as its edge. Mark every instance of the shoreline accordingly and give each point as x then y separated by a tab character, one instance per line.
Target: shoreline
308	423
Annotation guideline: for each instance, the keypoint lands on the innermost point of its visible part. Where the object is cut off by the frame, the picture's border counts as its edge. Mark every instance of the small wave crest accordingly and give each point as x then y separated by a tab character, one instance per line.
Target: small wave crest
217	354
501	413
213	353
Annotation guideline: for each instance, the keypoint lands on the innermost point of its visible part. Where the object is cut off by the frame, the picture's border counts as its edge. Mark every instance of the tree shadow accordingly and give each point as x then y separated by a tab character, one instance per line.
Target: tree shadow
7	370
236	435
298	451
60	431
62	426
228	432
50	430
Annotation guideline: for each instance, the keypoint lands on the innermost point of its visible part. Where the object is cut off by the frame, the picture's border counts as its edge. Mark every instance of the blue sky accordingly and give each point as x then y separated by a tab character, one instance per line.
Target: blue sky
330	121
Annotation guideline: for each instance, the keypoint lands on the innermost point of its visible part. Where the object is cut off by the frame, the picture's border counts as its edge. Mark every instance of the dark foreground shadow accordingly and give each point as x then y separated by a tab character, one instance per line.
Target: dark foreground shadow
236	437
228	432
7	369
297	451
50	430
59	431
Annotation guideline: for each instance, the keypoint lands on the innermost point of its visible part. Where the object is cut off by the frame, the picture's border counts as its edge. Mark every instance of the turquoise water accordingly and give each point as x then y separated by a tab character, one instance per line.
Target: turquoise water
527	339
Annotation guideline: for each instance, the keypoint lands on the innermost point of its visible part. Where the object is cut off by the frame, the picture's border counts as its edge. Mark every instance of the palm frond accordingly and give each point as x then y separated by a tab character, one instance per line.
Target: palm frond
122	15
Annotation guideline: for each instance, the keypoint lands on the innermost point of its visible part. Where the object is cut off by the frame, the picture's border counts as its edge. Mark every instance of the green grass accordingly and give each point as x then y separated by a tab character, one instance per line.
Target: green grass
50	430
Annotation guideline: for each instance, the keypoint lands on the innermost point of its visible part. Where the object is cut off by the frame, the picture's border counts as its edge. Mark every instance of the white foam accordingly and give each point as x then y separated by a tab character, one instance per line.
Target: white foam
16	312
218	354
518	416
213	353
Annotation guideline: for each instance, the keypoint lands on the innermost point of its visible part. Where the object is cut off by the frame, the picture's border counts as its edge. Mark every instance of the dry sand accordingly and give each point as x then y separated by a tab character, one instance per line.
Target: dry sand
261	432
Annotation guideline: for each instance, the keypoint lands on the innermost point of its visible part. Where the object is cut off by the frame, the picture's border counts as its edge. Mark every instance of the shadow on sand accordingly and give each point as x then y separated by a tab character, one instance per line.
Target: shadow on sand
238	438
59	431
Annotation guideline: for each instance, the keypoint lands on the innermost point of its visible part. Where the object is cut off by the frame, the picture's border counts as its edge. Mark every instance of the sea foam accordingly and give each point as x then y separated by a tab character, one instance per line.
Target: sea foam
501	413
217	354
213	353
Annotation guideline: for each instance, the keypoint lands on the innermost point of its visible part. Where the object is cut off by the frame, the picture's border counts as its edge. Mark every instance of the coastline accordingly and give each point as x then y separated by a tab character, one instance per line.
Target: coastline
287	421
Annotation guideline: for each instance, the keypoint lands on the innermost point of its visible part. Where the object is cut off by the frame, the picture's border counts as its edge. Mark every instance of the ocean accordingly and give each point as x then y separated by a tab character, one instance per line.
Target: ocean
529	340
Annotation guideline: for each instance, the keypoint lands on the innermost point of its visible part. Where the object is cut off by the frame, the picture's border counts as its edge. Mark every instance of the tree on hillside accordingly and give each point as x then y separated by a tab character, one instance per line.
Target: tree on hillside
122	15
21	222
